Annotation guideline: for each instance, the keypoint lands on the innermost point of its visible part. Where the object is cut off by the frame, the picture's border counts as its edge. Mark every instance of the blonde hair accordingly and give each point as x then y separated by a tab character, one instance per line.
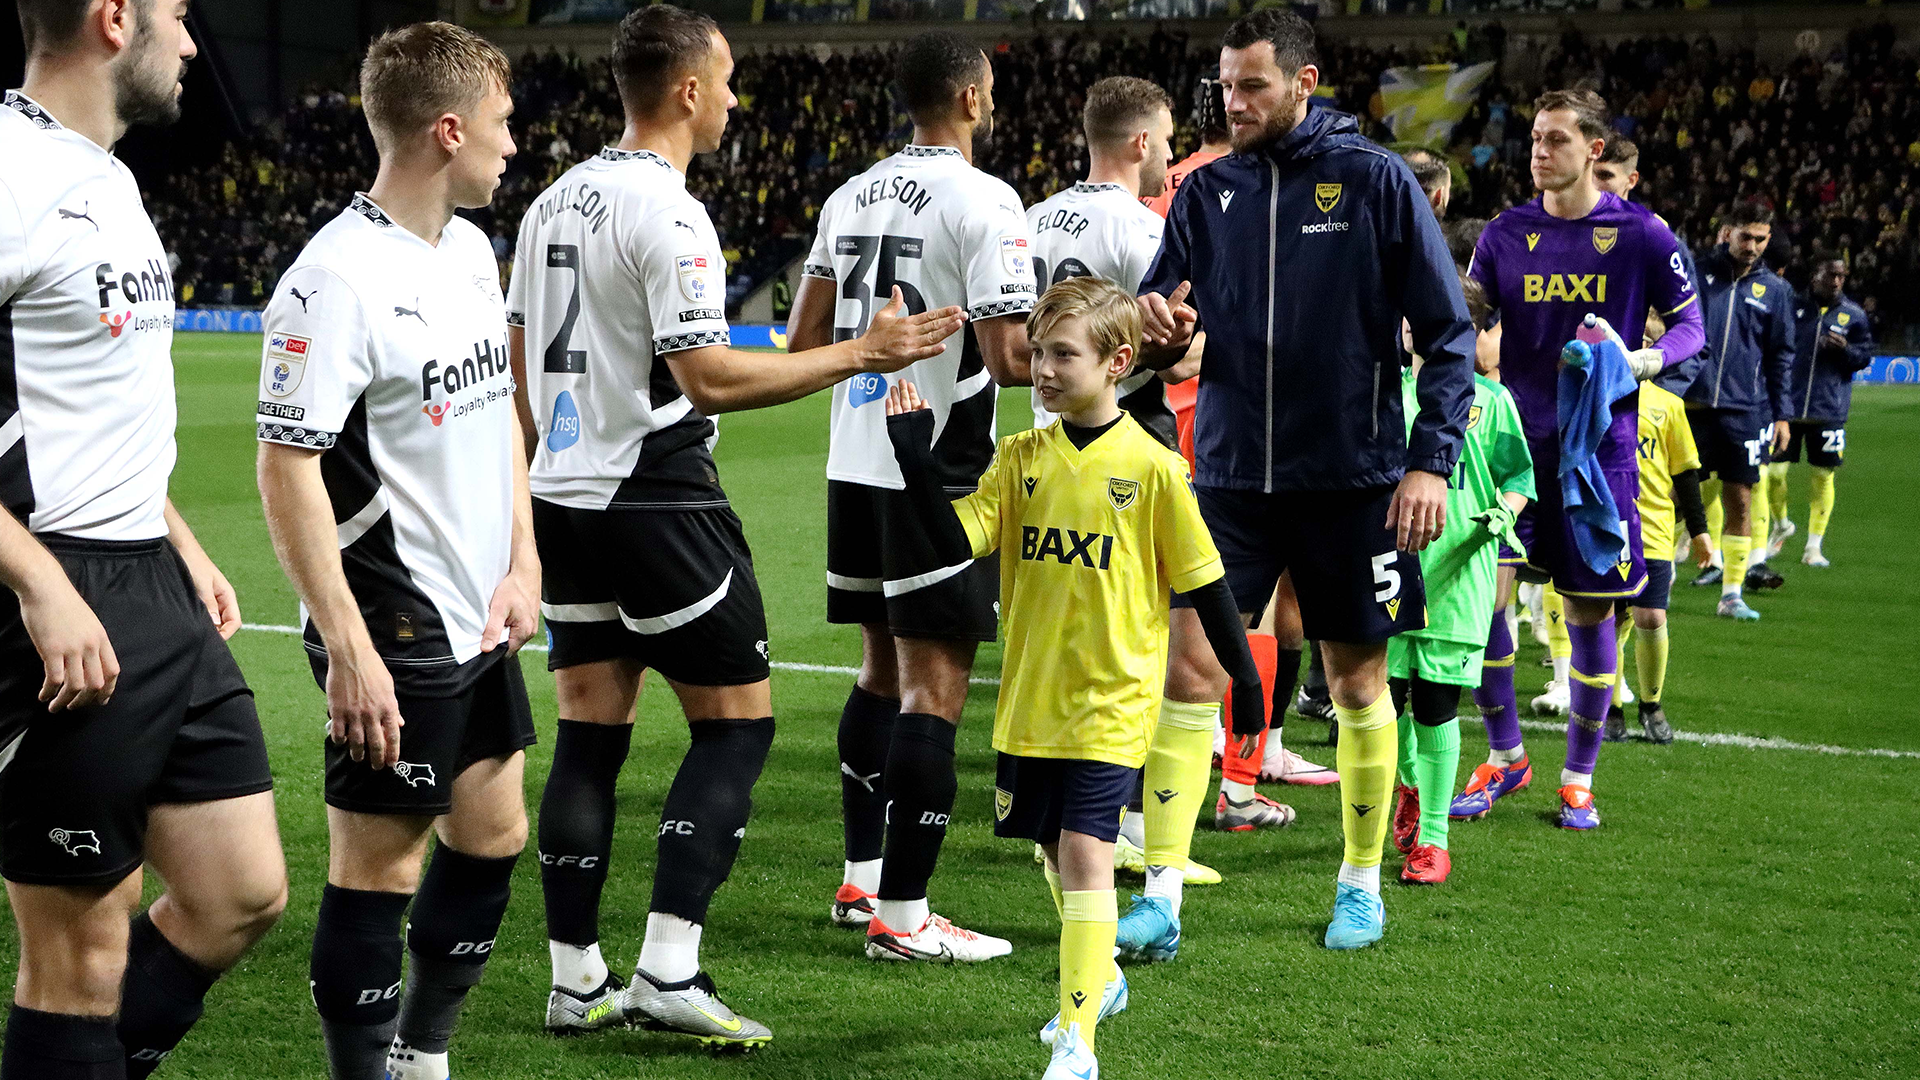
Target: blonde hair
415	74
1112	316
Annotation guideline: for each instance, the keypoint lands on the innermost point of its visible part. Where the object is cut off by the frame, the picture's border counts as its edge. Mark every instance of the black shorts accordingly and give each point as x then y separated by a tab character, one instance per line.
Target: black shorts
671	589
1035	798
1733	444
1354	585
882	568
180	728
1826	443
1657	593
442	736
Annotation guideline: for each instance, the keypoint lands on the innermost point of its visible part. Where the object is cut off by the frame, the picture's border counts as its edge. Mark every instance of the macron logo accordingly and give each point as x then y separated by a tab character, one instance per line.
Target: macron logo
1225	198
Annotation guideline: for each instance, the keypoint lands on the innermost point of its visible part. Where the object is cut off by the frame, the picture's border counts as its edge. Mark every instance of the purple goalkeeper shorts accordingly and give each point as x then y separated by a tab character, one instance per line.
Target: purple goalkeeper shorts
1544	529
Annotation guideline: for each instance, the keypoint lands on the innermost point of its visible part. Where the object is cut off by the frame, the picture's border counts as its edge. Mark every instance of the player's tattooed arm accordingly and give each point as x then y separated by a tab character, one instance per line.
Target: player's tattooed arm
78	658
720	379
362	712
223	606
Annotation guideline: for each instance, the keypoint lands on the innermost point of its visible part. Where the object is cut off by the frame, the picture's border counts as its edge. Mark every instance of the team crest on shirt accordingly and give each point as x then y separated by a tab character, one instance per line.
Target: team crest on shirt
1759	290
696	277
1473	416
1842	319
1604	237
1533	240
286	362
1326	197
1002	803
1122	492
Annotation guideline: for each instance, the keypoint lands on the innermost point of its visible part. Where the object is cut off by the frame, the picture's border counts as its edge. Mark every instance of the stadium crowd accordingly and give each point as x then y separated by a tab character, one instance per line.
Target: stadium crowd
1831	142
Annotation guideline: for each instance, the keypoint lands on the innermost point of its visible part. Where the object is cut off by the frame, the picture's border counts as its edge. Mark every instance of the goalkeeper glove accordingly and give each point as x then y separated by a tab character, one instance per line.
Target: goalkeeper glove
1497	519
1646	363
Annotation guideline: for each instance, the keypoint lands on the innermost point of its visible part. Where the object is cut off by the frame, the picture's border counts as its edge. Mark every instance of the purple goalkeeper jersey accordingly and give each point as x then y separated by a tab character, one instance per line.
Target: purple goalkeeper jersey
1544	274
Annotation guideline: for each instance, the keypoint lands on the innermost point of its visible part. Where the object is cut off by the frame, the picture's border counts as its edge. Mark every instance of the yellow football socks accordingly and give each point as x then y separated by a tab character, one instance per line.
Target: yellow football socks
1059	893
1623	629
1736	549
1559	646
1178	770
1369	745
1777	489
1762	520
1716	510
1822	511
1650	659
1088	921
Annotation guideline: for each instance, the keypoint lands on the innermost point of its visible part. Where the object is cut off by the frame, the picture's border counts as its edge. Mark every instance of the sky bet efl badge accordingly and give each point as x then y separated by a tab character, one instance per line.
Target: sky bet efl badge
696	277
1014	252
286	363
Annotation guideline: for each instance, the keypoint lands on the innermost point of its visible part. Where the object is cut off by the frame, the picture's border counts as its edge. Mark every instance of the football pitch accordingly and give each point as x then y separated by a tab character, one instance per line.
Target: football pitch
1750	908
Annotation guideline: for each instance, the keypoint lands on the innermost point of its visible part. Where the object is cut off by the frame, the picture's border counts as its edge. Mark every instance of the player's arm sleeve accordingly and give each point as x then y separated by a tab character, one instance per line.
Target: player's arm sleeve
912	437
1480	267
1220	621
1677	435
520	282
1417	266
13	247
1509	458
1170	265
1686	495
685	278
979	510
1859	343
1779	352
1139	257
998	252
316	359
1670	291
820	257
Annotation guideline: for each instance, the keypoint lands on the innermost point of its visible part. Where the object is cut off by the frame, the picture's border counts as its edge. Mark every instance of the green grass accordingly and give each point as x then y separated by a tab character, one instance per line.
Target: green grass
1743	912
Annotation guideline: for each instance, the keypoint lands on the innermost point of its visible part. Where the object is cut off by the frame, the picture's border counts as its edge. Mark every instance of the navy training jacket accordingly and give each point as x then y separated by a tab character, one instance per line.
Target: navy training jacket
1749	326
1822	383
1304	258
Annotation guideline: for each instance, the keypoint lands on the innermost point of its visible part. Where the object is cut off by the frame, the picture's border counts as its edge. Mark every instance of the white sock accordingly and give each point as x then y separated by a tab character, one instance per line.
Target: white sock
1361	877
1504	758
902	916
415	1064
1719	560
1584	779
671	952
1133	826
1167	881
1235	791
1273	742
1562	665
576	968
1813	543
864	875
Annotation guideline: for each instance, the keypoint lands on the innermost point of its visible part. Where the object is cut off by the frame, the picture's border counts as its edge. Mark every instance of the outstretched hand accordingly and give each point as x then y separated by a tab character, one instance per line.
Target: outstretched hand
896	339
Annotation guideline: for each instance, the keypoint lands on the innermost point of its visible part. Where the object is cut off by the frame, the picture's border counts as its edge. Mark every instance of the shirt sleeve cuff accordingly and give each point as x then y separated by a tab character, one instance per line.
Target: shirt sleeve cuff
296	436
1199	577
1439	466
818	270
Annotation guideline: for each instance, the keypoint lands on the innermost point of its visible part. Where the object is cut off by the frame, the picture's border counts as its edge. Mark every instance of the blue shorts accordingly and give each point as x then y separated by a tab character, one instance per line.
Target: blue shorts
1826	443
1035	798
1659	588
1733	443
1353	585
1551	550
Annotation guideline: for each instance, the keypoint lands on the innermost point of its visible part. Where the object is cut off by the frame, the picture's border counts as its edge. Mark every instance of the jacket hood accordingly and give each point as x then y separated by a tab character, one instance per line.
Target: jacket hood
1721	260
1324	130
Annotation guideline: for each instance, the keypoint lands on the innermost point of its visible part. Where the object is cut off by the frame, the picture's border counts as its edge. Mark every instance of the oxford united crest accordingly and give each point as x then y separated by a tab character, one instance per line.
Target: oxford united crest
1326	197
1603	239
1122	492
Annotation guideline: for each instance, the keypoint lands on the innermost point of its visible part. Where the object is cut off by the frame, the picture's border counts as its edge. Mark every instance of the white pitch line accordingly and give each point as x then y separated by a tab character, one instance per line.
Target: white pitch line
1702	738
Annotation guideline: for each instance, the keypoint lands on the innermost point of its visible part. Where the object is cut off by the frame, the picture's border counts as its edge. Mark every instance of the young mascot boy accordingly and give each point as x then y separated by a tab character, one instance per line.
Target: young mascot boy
1426	668
1096	526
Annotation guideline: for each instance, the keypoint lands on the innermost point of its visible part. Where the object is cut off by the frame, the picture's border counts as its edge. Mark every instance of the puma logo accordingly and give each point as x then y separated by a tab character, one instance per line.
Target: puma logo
864	781
304	297
401	313
85	213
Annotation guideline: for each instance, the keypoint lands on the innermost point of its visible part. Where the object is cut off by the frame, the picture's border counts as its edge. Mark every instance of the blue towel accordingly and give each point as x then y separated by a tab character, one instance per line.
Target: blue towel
1594	377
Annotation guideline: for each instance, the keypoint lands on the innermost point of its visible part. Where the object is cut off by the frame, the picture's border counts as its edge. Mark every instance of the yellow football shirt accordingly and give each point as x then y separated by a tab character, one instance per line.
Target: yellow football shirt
1091	542
1666	447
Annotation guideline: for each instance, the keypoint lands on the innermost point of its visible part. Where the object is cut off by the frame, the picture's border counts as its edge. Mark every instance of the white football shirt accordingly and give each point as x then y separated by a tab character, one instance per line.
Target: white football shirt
390	354
1099	230
946	234
86	337
618	266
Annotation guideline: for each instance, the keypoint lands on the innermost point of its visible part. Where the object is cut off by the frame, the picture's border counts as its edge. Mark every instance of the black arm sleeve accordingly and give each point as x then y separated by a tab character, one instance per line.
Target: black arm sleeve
1220	619
1686	492
912	438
